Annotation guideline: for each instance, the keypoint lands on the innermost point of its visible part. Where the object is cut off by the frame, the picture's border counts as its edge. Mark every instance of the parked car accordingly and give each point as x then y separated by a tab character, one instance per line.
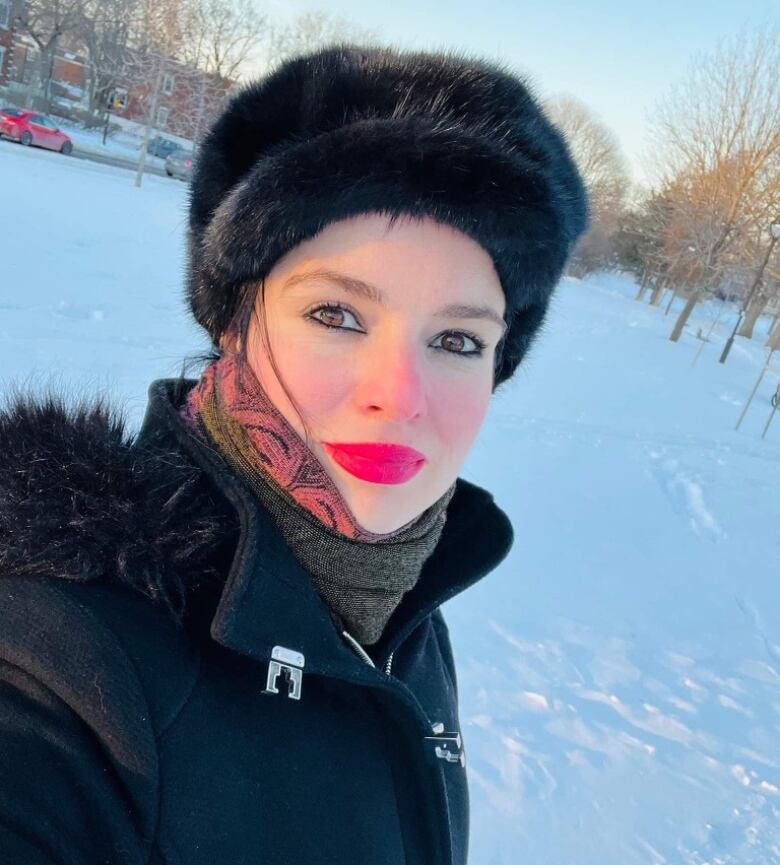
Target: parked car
161	146
179	164
29	127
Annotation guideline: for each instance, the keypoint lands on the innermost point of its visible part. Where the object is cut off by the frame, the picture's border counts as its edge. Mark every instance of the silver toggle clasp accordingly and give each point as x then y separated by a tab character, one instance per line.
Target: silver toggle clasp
447	746
290	663
449	756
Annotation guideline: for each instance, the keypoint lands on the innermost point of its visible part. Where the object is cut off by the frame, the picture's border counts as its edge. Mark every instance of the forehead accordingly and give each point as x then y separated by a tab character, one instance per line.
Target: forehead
413	258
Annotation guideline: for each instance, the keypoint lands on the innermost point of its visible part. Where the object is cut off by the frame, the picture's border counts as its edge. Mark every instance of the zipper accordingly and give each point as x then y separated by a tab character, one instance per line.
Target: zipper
364	655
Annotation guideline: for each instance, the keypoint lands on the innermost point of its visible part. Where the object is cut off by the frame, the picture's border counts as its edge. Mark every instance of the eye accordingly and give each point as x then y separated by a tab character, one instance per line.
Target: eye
454	340
333	316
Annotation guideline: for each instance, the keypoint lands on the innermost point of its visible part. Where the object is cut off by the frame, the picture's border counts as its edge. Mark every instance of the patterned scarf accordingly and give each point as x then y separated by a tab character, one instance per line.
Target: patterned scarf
361	575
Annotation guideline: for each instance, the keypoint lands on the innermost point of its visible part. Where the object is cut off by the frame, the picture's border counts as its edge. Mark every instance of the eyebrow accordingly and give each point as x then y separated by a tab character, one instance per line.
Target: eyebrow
358	287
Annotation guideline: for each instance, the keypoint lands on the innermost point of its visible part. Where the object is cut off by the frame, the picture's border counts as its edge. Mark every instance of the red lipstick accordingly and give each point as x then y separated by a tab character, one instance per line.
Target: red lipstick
377	462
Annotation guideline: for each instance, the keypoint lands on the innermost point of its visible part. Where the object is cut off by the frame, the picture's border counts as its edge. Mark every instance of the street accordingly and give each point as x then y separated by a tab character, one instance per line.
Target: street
81	152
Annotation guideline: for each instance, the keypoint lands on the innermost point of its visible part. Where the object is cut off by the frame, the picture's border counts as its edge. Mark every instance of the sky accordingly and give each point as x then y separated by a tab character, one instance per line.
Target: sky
618	57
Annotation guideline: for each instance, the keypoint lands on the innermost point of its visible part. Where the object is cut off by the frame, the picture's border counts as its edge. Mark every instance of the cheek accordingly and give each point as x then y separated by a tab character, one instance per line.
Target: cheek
459	413
318	394
319	385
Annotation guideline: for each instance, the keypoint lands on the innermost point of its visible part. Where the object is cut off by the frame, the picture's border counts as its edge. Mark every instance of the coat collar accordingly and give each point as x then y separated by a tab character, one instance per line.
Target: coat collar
269	600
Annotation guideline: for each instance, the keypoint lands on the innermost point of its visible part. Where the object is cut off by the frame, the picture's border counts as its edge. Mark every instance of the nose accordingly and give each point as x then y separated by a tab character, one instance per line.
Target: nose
390	383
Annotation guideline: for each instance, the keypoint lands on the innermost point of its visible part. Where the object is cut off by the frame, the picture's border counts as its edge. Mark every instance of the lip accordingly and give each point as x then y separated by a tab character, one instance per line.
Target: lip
377	462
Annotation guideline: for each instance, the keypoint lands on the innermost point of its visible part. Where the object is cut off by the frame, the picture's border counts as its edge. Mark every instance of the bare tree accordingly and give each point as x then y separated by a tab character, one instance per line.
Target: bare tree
220	36
309	31
46	22
699	205
157	26
598	156
639	241
763	215
725	237
717	138
105	34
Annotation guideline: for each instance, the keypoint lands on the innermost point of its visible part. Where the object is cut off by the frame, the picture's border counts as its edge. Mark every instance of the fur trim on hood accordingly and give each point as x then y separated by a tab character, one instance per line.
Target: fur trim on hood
80	502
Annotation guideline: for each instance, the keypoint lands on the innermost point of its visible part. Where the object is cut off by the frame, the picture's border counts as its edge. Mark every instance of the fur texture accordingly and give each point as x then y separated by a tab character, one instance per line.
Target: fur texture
351	129
78	501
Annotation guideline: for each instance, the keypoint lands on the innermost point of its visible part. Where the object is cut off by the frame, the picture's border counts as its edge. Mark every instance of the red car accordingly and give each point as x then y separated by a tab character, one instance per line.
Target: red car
28	127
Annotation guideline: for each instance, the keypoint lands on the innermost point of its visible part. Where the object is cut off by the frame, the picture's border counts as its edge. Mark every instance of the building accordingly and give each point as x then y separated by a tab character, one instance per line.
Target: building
182	100
7	12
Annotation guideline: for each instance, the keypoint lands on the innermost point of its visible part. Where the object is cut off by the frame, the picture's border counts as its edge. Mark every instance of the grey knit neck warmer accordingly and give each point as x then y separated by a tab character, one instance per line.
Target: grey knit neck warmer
362	582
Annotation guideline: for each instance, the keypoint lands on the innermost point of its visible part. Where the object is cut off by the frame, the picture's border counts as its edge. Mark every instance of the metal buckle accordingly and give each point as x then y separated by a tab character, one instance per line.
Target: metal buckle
447	746
287	662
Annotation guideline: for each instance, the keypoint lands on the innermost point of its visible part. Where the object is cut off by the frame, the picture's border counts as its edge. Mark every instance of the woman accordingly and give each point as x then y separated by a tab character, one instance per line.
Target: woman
220	641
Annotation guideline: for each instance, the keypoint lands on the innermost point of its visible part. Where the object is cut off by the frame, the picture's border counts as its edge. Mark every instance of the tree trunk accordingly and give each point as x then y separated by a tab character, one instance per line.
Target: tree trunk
643	284
48	75
658	290
774	328
35	82
774	337
751	316
682	319
671	300
97	95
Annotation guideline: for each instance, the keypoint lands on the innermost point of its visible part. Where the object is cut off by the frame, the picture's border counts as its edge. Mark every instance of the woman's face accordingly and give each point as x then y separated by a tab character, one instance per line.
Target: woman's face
394	365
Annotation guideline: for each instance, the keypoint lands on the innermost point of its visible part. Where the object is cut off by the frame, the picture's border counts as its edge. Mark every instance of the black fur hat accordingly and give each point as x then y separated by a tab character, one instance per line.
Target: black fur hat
351	129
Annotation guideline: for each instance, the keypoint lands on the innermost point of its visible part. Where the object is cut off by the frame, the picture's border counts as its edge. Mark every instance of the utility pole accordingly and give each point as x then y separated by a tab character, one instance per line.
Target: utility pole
774	344
775	403
201	101
149	119
115	98
109	97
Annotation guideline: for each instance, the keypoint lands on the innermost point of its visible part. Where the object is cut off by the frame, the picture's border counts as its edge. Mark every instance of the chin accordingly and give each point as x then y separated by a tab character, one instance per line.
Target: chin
373	506
373	503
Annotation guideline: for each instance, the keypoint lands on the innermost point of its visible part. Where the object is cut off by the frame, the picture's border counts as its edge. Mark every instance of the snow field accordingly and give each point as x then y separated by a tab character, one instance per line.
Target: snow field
619	673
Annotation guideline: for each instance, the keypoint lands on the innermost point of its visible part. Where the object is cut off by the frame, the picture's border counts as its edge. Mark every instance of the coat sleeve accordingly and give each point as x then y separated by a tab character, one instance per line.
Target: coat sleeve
61	799
78	757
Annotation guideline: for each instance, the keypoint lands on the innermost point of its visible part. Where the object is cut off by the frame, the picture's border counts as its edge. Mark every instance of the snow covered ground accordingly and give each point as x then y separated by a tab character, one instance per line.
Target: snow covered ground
620	672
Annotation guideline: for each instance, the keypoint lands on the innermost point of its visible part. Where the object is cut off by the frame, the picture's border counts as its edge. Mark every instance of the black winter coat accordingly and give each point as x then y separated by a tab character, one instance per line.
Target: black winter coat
172	688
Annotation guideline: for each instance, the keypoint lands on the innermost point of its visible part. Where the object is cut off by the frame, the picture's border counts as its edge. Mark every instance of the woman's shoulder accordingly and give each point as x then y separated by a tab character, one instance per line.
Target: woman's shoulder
91	676
114	658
